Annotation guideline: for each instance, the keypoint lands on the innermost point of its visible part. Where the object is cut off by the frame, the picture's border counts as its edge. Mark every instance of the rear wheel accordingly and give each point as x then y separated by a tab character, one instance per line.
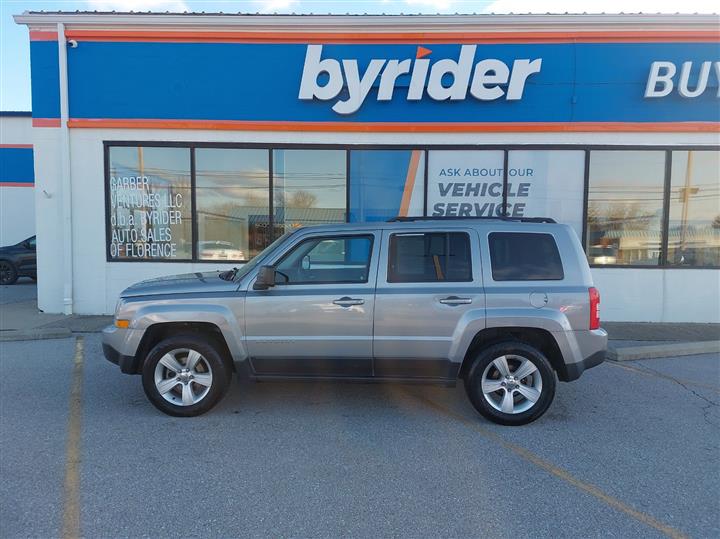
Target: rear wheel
511	383
8	273
185	376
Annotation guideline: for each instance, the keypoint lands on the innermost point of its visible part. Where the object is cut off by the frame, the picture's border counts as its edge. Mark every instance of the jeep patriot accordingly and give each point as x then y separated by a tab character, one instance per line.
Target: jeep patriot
505	305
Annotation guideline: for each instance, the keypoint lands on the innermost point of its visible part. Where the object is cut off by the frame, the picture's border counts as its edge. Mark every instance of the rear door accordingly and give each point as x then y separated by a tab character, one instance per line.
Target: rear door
429	284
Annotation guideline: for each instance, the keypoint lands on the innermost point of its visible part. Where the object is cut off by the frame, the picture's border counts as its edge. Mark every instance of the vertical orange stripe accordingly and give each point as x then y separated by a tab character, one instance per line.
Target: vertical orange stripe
409	182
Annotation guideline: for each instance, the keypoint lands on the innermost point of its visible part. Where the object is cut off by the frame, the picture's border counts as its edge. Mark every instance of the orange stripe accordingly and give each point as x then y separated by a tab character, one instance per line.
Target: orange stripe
43	35
398	127
16	184
16	145
409	182
46	122
408	37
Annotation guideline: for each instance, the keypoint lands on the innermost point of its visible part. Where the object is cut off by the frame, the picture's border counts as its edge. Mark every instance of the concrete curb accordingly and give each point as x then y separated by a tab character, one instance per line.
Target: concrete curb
652	351
34	334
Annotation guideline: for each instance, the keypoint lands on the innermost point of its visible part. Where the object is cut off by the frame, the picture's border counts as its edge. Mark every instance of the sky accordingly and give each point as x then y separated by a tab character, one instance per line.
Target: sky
15	55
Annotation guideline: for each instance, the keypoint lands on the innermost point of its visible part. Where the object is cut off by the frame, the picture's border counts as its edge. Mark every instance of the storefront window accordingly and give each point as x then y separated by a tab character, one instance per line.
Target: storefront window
386	184
150	204
625	207
233	202
467	183
309	188
547	183
694	228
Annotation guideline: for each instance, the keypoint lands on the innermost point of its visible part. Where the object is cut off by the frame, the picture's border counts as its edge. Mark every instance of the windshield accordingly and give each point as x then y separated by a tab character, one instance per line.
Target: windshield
262	255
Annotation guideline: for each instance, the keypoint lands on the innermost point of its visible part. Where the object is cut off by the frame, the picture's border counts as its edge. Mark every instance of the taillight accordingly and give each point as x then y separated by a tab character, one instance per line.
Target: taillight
594	308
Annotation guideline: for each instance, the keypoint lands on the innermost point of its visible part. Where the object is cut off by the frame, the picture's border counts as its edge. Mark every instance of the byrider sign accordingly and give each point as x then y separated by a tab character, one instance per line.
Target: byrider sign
487	80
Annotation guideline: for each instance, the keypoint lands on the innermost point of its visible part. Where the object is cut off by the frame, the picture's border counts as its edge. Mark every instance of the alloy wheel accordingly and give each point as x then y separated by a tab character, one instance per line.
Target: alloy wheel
183	377
511	384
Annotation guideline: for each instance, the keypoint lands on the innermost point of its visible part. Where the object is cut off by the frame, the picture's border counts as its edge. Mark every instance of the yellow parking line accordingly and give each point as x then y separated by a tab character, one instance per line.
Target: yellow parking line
71	485
560	473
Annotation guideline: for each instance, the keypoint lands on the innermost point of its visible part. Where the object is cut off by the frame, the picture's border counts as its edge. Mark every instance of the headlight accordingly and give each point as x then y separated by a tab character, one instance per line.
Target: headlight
120	322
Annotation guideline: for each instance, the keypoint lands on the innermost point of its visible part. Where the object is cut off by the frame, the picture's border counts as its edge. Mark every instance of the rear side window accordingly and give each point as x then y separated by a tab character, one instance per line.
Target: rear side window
517	256
429	257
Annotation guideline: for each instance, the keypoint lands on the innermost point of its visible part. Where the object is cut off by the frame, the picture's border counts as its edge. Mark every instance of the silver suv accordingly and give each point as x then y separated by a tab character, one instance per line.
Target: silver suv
505	305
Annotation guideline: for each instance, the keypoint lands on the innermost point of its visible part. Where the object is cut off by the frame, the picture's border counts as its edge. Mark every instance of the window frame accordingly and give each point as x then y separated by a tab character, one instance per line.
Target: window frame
269	147
418	232
323	237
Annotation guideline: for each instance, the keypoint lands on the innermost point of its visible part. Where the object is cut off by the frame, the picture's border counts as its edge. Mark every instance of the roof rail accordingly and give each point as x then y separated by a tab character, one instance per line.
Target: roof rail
454	218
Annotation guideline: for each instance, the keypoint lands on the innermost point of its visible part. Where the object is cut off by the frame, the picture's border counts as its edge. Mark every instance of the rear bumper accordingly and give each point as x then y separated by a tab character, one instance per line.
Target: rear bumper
573	371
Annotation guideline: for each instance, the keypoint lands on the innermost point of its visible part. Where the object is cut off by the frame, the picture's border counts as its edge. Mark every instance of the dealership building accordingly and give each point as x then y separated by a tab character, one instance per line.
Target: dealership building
175	143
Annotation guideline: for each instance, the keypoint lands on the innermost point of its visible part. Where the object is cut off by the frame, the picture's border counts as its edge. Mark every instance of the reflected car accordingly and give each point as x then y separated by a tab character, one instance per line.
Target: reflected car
219	250
19	260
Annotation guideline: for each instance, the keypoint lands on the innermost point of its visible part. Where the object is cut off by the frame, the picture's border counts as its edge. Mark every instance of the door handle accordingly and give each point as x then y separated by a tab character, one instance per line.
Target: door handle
348	302
454	300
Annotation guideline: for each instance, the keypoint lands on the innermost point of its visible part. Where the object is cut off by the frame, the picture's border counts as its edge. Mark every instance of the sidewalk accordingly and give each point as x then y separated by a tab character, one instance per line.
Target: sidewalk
20	320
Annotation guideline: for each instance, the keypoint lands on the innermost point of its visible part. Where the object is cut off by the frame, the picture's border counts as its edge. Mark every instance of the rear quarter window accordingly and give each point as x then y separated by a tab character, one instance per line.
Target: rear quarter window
524	256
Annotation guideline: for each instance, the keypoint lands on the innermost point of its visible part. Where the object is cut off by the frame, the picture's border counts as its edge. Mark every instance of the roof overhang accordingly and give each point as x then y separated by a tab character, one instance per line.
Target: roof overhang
364	24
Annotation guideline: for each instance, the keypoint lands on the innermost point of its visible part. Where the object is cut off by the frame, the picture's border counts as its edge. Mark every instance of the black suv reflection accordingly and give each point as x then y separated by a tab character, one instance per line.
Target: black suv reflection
18	260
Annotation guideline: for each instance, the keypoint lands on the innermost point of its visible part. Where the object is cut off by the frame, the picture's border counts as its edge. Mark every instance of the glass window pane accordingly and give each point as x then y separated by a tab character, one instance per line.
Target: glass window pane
465	183
309	188
339	259
150	204
543	183
386	184
232	193
524	257
694	232
625	207
429	257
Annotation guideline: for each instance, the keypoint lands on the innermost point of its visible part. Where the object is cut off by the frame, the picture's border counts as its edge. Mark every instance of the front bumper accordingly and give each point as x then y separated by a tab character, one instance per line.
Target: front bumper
120	347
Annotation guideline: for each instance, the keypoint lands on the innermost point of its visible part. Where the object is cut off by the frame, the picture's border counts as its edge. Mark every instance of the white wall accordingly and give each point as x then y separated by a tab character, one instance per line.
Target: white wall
642	295
658	295
17	204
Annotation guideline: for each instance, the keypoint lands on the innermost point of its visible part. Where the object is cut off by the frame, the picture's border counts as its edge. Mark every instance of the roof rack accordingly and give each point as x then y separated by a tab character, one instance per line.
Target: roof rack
454	218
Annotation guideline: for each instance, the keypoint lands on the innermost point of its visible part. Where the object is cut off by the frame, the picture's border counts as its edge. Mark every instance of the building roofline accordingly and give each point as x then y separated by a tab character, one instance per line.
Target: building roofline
371	23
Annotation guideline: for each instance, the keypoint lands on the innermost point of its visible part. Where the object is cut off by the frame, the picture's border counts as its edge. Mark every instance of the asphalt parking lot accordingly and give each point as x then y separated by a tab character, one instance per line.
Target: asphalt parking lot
628	450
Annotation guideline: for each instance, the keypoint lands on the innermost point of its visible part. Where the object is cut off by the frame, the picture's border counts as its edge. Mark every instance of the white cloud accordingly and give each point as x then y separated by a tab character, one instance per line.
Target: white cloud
272	6
436	4
602	6
138	5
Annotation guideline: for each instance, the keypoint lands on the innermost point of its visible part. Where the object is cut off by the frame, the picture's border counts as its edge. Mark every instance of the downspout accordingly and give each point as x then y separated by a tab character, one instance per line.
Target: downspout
67	227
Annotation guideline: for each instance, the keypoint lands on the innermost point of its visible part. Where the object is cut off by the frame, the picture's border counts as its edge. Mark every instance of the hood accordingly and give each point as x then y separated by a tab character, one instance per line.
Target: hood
187	283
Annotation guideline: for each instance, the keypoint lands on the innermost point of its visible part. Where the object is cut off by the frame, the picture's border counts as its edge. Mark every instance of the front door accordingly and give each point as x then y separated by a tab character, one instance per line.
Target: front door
318	318
425	292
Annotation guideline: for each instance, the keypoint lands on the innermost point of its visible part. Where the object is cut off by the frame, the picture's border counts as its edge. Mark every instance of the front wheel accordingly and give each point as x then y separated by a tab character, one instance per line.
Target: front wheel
511	383
8	273
185	376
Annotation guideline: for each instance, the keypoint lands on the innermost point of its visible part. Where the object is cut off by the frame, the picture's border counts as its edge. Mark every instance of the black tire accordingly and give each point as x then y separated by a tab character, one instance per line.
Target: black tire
8	273
484	360
219	369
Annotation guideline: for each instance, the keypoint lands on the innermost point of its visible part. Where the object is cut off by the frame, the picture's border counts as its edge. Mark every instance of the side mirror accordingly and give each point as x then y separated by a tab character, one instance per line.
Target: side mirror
265	278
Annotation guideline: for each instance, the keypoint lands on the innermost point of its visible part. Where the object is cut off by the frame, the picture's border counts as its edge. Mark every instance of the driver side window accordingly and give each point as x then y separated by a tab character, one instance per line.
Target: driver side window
337	259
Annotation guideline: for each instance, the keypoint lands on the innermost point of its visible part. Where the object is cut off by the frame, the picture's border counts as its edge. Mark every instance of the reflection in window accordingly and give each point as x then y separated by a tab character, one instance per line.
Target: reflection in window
232	197
386	184
625	207
429	257
342	259
150	203
694	230
309	188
